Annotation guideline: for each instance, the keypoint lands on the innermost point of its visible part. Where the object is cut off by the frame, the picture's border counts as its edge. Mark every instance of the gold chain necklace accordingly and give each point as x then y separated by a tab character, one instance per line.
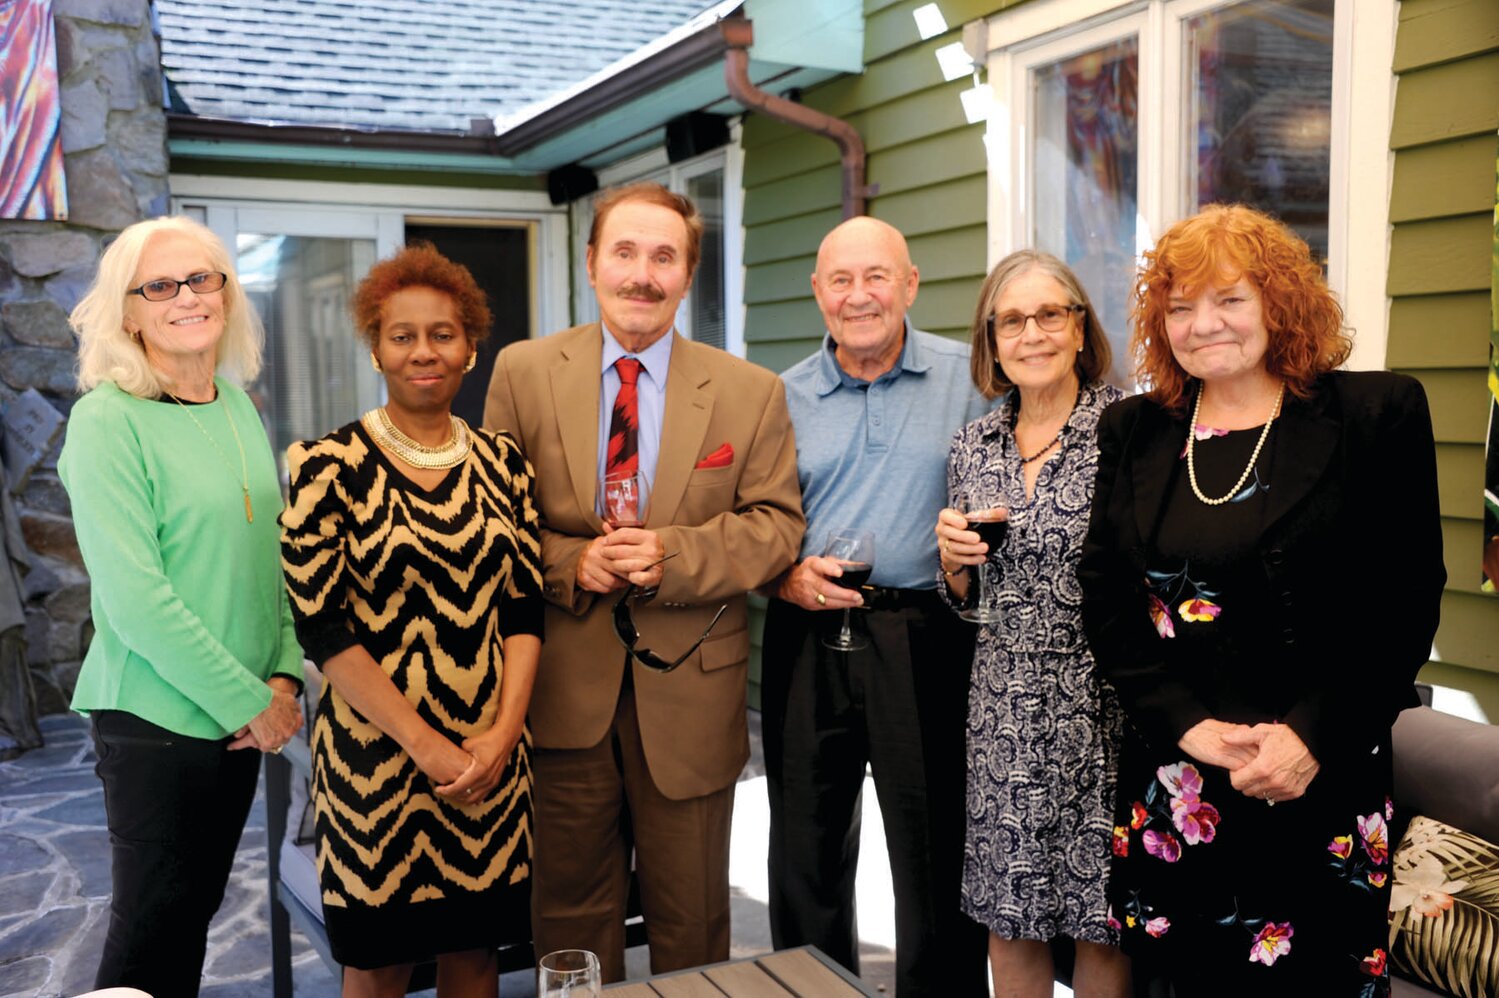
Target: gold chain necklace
244	471
1192	439
414	452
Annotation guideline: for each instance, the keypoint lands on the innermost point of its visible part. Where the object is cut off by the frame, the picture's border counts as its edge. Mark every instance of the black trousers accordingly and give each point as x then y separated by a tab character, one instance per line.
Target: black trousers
900	706
175	807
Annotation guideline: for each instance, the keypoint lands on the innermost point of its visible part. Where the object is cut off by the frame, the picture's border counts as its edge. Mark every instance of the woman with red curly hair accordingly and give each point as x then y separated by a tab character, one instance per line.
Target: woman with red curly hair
1261	581
411	550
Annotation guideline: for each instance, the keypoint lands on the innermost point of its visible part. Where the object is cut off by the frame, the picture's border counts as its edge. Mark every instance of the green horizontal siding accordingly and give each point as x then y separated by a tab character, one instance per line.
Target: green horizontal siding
1462	541
1443	254
1437	31
1437	330
1460	481
1444	102
1459	404
1441	209
1450	178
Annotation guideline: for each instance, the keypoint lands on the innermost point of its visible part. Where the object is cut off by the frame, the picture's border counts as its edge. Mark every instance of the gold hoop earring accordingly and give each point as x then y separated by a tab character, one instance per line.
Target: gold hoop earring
375	363
473	360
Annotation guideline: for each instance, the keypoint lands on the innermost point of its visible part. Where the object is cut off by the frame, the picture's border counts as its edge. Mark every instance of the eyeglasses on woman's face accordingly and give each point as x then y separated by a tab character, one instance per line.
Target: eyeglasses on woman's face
1049	319
165	289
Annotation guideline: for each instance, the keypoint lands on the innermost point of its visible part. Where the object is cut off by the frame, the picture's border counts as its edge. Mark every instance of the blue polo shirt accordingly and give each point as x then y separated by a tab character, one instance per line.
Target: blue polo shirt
873	455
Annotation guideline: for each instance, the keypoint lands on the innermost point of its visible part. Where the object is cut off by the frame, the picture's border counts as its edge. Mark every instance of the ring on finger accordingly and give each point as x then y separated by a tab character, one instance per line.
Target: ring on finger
822	600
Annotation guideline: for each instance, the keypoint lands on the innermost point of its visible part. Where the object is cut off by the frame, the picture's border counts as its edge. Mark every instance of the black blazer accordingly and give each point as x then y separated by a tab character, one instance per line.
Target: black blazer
1352	552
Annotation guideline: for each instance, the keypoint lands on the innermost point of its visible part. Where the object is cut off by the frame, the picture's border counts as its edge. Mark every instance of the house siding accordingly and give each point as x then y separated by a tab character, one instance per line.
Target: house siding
1441	213
927	161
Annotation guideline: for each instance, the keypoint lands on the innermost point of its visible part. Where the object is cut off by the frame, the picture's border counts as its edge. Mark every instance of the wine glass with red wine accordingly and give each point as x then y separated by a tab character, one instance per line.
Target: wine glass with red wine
991	525
625	499
854	550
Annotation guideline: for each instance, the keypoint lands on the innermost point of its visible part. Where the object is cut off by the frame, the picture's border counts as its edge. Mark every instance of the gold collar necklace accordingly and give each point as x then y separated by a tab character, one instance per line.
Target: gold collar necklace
244	469
414	452
1192	439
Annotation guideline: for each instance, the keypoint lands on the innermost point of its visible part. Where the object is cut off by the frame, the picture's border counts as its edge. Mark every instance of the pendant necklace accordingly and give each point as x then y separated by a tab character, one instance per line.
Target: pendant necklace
1192	439
244	470
414	452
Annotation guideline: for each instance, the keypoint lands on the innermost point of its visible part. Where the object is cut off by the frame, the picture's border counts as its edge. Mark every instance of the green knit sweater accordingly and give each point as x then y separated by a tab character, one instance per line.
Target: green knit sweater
190	611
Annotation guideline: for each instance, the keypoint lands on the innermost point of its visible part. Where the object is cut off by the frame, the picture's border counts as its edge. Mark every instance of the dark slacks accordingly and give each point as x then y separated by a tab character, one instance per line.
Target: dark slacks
175	808
591	805
900	706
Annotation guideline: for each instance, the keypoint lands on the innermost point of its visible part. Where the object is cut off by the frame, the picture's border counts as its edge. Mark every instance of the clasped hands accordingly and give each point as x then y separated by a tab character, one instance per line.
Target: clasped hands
1266	761
274	726
468	772
621	556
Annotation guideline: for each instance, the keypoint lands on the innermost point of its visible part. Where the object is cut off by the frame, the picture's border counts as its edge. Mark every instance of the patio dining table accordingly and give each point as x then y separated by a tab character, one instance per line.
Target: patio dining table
804	972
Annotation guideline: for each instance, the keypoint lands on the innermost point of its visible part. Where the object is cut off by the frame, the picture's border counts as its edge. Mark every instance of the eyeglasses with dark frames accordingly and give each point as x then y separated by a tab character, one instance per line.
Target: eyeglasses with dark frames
1049	319
165	289
629	634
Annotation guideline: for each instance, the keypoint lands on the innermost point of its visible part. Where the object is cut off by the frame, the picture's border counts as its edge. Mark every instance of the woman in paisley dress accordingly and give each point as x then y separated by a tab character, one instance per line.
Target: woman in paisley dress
412	554
1261	583
1042	729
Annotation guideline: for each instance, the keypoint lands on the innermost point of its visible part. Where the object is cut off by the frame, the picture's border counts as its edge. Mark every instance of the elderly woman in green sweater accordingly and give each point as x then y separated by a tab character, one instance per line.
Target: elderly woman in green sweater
194	667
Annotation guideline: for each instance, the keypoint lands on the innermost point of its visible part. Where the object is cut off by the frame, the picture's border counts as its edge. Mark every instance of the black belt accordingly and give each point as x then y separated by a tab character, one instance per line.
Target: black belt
885	598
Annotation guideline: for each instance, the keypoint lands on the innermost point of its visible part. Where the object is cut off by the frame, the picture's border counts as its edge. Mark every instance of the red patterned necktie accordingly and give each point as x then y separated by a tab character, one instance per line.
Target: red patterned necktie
623	456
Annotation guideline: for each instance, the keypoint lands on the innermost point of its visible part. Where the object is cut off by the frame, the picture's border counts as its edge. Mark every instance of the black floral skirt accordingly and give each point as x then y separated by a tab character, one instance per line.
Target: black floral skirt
1222	894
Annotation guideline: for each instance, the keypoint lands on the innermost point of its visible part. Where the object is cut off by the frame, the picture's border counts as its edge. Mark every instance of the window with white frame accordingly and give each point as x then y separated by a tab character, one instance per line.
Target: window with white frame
1113	120
713	311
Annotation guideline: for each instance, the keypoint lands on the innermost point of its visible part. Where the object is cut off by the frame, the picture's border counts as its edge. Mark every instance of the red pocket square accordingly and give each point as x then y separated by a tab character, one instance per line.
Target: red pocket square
721	458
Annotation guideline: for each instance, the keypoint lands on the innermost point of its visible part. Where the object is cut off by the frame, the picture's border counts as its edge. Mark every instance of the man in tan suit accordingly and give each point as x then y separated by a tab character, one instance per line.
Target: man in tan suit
633	756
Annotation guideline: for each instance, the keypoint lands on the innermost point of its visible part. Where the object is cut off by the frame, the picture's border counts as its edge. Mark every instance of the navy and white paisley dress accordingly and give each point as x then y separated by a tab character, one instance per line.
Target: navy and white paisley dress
1043	729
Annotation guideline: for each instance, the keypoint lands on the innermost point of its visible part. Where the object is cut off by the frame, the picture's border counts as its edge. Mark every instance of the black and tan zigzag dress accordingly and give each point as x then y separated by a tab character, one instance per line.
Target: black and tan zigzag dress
430	582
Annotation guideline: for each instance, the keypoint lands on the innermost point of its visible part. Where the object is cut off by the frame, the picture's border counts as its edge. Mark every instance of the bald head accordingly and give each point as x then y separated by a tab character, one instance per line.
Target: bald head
864	283
868	234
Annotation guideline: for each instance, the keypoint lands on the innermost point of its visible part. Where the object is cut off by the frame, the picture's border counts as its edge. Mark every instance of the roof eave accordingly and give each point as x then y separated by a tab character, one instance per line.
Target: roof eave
200	127
599	96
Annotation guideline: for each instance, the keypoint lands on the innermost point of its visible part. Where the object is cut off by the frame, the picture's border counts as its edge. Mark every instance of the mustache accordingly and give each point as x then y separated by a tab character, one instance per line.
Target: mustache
648	292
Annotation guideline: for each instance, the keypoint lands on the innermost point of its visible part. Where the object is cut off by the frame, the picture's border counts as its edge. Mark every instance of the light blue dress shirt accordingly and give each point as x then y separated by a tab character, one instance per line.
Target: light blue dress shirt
873	455
650	398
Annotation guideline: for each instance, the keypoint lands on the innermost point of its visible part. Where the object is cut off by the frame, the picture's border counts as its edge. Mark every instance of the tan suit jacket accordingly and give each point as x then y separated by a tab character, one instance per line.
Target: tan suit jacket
732	529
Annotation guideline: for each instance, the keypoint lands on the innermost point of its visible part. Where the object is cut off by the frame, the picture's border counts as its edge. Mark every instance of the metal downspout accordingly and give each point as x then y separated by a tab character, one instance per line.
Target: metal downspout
739	34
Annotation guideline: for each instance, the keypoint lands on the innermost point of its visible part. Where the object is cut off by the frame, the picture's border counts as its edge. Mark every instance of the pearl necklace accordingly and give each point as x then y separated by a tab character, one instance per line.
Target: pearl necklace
244	470
1192	439
414	452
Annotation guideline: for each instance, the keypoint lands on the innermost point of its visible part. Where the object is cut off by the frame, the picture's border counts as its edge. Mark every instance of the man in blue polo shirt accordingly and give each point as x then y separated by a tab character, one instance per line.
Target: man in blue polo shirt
875	410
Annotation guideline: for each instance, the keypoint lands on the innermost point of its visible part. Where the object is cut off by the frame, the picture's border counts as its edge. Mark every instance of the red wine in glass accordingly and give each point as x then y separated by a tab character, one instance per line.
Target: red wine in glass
990	530
855	574
854	552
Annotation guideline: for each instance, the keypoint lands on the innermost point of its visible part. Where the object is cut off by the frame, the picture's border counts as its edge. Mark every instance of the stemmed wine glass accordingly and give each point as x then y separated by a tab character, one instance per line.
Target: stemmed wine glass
624	498
991	528
568	973
854	549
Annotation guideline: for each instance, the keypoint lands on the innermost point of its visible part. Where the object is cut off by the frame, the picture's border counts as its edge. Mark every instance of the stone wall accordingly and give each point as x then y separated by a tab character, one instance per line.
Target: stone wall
114	144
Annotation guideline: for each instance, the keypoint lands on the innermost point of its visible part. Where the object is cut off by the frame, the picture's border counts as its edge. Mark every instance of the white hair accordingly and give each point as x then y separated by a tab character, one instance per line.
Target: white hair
106	352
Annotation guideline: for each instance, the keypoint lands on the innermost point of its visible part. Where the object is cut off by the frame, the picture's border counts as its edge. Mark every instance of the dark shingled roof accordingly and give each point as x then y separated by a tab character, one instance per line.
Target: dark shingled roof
395	64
